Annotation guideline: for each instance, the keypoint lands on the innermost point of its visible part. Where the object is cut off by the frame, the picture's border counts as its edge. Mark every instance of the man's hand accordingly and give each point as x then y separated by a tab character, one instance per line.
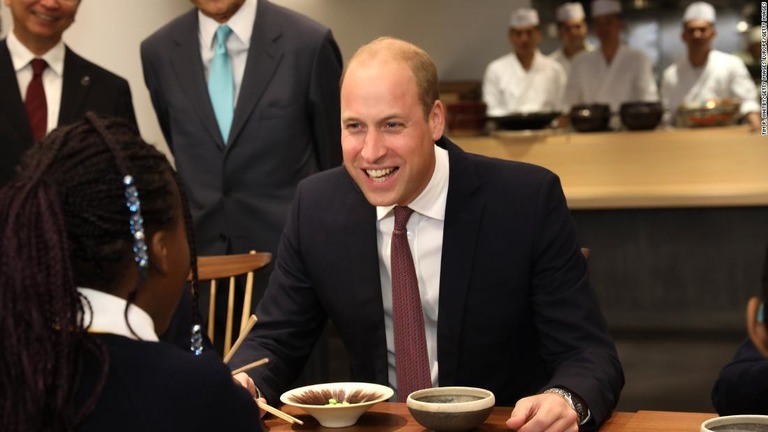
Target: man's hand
244	380
543	412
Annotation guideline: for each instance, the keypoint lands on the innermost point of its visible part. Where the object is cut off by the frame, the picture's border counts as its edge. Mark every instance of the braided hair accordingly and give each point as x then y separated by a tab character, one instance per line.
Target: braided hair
64	223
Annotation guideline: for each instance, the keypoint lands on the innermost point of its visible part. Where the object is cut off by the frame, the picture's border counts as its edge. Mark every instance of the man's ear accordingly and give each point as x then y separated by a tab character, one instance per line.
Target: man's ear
437	120
159	252
757	329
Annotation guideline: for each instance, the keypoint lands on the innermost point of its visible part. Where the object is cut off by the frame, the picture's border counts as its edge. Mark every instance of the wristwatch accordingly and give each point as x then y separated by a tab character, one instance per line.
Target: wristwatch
575	402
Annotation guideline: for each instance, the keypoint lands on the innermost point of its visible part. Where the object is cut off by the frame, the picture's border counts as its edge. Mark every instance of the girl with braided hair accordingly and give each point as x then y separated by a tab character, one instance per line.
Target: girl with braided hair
94	255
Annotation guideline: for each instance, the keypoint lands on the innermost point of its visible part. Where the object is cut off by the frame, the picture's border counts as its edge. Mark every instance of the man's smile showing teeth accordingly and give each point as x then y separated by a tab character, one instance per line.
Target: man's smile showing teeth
379	175
44	17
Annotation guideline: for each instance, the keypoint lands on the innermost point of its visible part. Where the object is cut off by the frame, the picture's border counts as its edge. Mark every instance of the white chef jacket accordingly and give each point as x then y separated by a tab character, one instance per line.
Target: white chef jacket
724	76
509	88
629	78
559	56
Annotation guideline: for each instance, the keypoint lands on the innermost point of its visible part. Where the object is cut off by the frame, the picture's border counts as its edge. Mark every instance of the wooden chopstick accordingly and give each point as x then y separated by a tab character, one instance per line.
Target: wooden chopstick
250	366
287	417
243	334
241	338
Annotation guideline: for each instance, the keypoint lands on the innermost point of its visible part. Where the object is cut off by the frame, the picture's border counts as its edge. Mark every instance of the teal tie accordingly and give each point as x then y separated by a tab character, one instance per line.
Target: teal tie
221	84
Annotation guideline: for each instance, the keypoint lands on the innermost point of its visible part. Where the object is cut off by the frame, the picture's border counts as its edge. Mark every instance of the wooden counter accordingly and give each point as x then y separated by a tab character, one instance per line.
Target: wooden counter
709	167
395	416
675	218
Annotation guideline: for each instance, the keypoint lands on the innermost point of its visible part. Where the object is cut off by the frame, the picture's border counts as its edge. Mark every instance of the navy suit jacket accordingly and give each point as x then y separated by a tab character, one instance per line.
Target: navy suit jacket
86	87
741	387
286	124
517	313
153	386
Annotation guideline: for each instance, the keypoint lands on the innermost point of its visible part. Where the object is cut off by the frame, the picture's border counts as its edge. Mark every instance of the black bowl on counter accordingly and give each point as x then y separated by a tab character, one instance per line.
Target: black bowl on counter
641	115
590	117
523	121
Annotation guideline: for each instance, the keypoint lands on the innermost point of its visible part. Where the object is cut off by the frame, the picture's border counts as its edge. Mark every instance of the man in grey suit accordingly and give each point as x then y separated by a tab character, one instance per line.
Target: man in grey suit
72	85
284	125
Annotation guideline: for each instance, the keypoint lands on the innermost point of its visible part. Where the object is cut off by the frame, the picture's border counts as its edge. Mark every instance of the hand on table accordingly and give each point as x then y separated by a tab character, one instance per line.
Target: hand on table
543	412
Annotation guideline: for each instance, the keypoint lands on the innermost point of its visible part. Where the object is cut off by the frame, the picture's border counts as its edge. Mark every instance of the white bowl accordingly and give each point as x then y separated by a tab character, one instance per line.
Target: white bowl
451	408
337	416
736	423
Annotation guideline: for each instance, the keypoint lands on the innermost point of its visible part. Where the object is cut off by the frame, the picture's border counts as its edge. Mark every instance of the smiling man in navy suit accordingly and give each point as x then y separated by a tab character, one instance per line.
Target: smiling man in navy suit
501	287
72	85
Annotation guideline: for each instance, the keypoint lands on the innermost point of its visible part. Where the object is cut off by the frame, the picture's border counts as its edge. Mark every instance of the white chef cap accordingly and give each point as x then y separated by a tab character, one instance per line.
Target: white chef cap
524	17
605	7
570	11
699	11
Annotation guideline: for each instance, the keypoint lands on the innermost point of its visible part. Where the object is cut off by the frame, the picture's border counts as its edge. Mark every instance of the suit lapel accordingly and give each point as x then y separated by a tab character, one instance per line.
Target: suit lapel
462	221
75	89
264	56
362	250
11	104
189	70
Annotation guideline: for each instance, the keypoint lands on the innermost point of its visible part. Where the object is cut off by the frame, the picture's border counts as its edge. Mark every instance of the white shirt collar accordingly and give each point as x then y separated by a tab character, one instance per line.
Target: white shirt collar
106	314
241	24
431	202
21	55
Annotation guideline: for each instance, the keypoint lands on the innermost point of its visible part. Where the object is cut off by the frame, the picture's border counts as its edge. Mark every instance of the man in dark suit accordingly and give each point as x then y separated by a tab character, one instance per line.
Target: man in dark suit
284	125
742	387
504	292
72	85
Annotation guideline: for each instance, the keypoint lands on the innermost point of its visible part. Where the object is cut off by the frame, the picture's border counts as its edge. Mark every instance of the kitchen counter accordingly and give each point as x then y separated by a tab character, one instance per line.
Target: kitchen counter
708	167
675	219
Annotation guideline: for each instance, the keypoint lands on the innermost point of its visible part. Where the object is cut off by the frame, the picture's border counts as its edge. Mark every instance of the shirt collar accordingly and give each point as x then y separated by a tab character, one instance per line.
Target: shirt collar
21	55
106	314
241	24
431	202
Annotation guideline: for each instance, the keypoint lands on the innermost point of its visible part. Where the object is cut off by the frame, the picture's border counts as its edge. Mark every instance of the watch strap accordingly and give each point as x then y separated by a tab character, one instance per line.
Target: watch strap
574	401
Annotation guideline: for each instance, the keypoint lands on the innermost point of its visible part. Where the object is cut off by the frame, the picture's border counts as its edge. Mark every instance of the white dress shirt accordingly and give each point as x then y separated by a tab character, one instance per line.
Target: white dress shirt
425	238
723	76
628	78
238	42
53	75
509	88
106	314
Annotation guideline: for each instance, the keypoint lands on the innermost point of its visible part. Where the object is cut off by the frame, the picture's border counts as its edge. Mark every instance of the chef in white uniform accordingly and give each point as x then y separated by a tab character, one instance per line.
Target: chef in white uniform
706	73
572	30
614	73
524	80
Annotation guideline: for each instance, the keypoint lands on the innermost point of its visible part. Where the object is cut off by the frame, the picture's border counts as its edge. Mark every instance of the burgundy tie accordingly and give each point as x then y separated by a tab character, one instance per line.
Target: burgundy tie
37	107
411	360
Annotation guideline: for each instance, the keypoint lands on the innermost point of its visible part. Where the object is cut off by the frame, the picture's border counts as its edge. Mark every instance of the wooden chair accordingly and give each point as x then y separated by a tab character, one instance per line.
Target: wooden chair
211	268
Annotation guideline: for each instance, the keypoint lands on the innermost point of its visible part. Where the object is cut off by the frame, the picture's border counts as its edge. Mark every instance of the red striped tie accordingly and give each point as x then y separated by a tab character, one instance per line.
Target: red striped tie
37	107
411	360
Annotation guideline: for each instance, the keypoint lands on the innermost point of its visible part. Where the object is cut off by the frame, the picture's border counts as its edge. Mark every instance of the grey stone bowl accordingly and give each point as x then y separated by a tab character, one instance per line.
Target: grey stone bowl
736	423
451	409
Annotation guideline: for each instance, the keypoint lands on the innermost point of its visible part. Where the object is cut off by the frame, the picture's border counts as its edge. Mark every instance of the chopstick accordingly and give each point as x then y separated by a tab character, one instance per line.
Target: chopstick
243	334
250	366
287	417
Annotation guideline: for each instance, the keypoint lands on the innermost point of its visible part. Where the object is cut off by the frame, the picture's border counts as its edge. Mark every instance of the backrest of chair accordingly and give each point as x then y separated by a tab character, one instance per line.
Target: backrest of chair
212	268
